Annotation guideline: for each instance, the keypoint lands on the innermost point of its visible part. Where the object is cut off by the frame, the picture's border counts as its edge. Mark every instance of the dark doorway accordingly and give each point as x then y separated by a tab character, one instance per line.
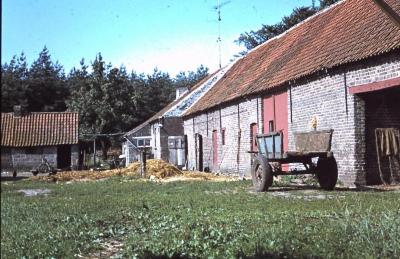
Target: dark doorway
382	111
64	157
199	152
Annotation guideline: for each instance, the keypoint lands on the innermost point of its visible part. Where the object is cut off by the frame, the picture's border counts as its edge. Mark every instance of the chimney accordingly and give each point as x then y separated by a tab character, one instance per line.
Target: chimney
180	91
17	110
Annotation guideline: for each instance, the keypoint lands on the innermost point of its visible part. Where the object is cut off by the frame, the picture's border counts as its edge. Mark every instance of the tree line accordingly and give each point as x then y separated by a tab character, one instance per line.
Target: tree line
108	99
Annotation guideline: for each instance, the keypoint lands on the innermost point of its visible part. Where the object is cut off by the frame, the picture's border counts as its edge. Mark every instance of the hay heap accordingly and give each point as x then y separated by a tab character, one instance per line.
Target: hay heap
159	169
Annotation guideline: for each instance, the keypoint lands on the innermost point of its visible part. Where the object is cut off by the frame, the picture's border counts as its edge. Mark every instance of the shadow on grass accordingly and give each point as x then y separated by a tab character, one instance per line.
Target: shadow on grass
11	178
294	187
257	255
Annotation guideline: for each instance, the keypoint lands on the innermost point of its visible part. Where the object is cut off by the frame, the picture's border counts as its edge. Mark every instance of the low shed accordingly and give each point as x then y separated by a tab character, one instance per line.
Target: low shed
27	138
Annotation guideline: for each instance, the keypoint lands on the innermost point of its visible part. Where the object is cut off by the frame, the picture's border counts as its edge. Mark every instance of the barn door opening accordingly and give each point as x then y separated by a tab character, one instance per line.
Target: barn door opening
199	152
276	115
64	157
382	120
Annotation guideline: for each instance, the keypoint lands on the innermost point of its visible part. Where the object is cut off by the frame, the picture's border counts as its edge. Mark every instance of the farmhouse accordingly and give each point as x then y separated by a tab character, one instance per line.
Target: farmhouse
339	69
27	138
163	132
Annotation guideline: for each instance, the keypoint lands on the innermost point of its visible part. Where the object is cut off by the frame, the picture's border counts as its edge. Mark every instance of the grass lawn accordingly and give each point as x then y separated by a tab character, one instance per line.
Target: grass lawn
130	218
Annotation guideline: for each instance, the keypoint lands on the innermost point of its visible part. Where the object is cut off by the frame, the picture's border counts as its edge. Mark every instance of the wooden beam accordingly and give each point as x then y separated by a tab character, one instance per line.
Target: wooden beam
376	86
395	17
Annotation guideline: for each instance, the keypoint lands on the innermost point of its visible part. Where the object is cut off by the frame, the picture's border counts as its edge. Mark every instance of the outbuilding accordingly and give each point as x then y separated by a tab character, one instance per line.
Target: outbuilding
27	138
164	130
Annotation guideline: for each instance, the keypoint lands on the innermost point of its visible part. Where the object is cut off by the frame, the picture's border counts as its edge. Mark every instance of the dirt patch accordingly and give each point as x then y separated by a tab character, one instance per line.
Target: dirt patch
109	249
34	192
305	195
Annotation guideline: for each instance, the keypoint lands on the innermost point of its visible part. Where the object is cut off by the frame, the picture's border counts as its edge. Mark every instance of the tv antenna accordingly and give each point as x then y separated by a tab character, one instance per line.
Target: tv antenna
218	9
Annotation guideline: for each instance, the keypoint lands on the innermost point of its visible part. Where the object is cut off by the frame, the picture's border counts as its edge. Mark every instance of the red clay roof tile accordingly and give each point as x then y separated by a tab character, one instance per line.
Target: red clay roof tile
39	129
349	31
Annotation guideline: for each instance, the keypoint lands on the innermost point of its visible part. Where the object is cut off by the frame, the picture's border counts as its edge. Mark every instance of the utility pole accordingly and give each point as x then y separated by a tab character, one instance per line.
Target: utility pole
219	33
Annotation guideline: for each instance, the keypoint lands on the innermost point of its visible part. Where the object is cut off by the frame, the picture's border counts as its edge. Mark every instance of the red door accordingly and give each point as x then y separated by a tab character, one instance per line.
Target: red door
276	115
215	149
253	132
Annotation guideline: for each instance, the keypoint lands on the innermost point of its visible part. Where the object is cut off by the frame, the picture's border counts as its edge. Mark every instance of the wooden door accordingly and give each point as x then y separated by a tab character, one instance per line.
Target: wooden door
276	115
215	148
253	134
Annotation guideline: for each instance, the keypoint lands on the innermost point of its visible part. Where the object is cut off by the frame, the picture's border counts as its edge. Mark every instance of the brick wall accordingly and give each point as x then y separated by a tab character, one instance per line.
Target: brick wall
30	158
26	159
325	97
236	121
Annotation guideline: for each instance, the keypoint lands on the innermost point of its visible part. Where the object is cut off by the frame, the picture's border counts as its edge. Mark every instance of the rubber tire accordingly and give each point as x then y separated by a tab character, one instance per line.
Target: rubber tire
327	173
264	179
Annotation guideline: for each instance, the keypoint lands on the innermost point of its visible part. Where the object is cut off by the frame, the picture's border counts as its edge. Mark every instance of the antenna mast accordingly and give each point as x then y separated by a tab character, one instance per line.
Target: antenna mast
218	8
219	32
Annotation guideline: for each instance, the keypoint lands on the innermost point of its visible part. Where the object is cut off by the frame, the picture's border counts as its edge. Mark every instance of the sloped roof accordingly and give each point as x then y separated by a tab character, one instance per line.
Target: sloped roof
349	31
39	129
170	105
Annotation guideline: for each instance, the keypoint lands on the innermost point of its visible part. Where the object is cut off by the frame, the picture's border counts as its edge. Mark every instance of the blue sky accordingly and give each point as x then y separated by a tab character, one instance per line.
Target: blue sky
173	35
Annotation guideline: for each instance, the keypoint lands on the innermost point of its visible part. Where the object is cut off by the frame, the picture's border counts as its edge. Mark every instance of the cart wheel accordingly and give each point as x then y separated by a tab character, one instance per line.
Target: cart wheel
43	168
327	173
261	173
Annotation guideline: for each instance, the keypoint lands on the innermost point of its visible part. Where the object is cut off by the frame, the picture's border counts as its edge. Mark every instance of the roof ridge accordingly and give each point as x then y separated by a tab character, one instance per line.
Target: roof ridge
296	25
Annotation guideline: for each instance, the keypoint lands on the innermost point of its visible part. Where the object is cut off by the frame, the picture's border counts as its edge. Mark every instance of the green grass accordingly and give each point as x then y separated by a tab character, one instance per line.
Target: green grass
198	219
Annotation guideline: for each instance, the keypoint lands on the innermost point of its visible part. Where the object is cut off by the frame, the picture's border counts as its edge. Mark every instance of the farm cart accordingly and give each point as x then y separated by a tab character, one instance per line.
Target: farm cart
267	162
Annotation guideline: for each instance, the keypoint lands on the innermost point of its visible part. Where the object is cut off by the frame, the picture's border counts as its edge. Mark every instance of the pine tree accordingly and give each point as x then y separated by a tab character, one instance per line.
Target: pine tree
47	89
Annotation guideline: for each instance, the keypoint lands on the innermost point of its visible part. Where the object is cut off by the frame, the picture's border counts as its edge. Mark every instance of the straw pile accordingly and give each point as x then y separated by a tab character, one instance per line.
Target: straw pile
156	168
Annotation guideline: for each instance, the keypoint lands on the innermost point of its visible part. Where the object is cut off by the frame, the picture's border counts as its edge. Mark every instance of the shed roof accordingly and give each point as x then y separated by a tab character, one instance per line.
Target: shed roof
175	104
349	31
39	129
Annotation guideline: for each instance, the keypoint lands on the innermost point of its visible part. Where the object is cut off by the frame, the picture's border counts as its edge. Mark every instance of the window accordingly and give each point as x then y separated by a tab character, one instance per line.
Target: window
223	136
271	126
143	141
140	142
